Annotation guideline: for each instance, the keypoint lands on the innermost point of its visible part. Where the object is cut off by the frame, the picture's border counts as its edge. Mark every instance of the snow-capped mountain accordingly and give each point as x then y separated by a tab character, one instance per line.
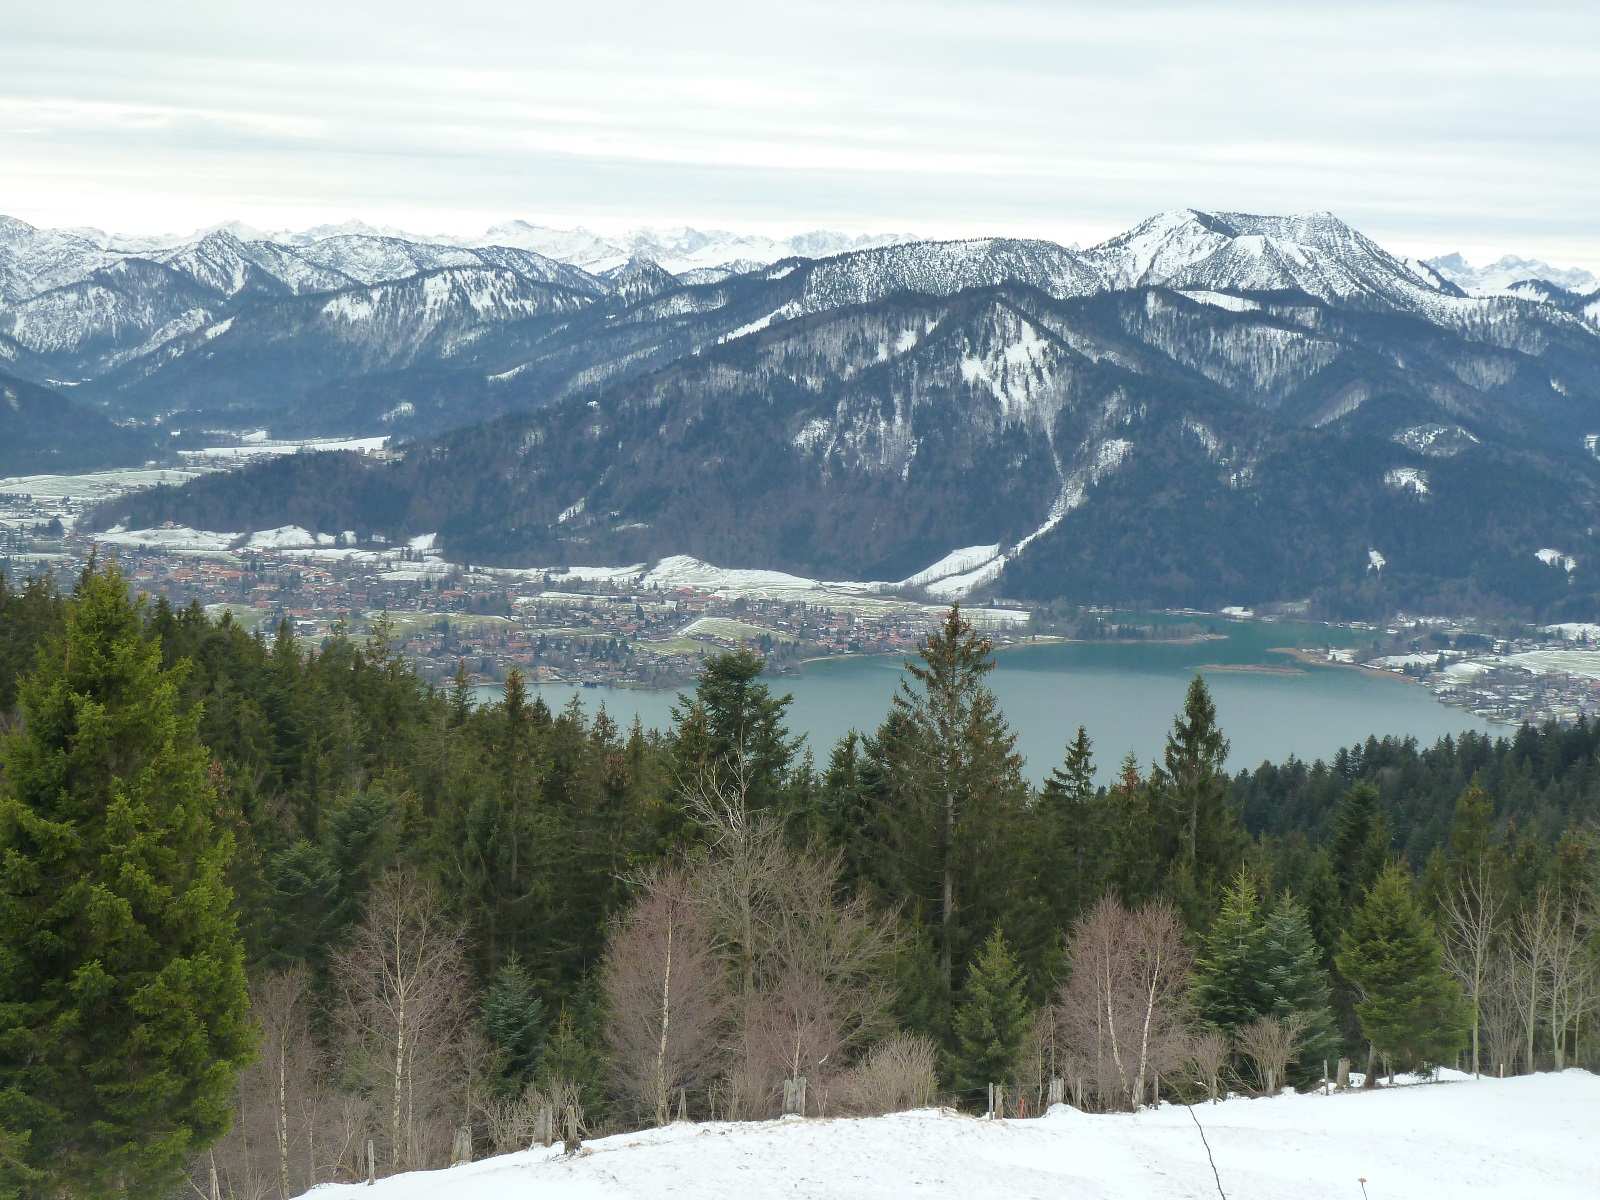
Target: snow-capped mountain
1500	276
901	416
36	260
368	258
638	279
676	251
129	303
1208	408
225	264
1317	254
312	351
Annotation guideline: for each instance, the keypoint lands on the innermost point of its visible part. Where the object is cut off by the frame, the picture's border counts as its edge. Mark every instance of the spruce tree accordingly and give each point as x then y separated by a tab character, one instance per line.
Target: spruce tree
1297	982
1230	980
1410	1010
992	1019
957	790
733	729
513	1021
123	1011
1203	841
1071	851
1360	842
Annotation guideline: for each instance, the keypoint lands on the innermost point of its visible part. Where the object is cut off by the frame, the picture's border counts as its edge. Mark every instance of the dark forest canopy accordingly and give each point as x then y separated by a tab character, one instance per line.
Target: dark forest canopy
539	854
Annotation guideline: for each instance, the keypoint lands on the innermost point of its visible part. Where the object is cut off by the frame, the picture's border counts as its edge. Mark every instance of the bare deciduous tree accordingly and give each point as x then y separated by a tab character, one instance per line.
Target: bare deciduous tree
405	1004
282	1004
1472	912
663	985
897	1074
1270	1043
1124	1007
1207	1054
1534	934
1572	979
808	964
1500	1011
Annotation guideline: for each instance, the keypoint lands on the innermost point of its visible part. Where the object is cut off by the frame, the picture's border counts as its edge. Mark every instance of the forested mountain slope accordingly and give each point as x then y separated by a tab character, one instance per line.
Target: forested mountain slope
1150	445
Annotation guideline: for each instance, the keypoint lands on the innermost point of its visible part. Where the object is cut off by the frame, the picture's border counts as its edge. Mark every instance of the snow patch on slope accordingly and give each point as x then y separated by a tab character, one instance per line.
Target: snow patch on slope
1556	558
1407	479
957	562
1436	441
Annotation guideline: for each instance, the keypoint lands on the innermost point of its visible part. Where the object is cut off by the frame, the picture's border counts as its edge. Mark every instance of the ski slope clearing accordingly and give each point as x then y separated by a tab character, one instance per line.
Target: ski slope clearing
1531	1136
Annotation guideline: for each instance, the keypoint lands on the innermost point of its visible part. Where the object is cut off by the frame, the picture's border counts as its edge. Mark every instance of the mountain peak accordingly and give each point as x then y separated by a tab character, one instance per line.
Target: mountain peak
1500	276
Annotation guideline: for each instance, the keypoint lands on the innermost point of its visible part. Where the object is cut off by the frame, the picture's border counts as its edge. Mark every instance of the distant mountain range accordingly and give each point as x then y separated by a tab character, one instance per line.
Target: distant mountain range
1210	408
1506	273
676	250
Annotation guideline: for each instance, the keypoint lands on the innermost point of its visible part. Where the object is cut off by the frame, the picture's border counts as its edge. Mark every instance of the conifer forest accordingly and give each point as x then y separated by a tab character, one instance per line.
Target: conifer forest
274	915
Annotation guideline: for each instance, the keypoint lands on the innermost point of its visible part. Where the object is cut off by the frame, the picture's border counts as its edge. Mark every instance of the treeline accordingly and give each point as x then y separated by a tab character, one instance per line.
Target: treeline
263	907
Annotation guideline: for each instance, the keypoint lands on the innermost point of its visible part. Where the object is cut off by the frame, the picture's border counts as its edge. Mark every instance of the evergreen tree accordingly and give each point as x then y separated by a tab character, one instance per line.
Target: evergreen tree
1297	982
573	1054
1410	1010
1070	849
1231	988
513	1021
1129	819
992	1019
1324	905
1471	829
1204	842
1360	842
956	789
123	1011
733	728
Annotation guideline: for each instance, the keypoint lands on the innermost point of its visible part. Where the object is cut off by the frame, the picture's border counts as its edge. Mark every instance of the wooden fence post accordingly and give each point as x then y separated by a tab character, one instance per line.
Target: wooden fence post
1057	1089
372	1164
573	1142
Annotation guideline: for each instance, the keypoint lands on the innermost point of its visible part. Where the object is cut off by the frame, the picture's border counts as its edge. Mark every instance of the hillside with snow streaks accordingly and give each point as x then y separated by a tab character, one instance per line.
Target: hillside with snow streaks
1213	408
1142	444
1531	1136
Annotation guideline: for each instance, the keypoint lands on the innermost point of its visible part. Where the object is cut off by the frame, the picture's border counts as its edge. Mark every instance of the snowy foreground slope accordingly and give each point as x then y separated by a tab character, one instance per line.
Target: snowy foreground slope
1528	1137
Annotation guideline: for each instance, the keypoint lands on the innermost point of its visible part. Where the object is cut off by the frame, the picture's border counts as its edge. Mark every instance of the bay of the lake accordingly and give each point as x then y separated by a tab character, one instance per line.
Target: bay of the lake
1125	693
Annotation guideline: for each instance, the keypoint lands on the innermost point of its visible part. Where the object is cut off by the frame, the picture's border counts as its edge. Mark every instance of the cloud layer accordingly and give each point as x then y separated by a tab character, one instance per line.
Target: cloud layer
1432	126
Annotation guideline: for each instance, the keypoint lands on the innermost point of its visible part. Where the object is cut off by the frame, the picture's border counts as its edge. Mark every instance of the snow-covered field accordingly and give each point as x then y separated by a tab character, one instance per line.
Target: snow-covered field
255	447
1534	1137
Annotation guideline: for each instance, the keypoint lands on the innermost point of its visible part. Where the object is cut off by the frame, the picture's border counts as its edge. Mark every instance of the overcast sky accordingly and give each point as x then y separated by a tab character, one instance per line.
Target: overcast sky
1434	127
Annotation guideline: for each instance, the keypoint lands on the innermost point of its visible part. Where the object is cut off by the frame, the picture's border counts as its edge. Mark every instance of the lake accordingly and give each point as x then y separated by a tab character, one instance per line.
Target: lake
1125	693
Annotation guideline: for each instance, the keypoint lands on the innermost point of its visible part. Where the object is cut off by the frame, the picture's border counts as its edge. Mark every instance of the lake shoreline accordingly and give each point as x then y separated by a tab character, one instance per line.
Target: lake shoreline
1313	658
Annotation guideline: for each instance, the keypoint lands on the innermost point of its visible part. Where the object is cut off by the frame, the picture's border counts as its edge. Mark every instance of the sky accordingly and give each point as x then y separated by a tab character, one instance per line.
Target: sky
1465	126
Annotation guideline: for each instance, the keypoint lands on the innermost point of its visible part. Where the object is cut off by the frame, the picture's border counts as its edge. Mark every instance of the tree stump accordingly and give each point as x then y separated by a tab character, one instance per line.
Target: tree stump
461	1148
372	1164
1057	1089
1342	1079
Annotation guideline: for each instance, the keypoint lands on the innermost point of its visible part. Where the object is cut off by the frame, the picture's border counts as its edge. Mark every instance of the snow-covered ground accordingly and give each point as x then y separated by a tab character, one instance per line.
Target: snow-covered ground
1536	1136
255	447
